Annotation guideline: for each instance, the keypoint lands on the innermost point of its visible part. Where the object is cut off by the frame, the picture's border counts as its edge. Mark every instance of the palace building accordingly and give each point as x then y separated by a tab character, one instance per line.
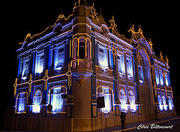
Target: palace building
62	71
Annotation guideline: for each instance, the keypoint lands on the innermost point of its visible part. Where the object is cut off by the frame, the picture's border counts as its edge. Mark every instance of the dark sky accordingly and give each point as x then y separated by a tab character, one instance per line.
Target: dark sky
159	22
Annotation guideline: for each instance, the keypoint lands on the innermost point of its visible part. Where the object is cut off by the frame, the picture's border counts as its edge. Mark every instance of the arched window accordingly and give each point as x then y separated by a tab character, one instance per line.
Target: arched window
160	103
164	102
75	49
123	100
141	76
81	48
88	49
37	101
170	101
131	97
107	93
157	76
21	102
56	100
167	78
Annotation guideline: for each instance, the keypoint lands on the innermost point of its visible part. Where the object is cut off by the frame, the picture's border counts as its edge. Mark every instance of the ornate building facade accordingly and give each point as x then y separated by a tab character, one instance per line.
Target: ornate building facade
62	71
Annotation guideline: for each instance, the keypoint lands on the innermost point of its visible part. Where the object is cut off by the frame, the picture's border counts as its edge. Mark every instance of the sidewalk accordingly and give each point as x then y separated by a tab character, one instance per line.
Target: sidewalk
134	126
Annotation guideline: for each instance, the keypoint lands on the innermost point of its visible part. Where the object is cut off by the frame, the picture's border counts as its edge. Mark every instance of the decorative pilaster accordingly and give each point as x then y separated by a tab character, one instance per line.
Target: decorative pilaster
15	87
136	76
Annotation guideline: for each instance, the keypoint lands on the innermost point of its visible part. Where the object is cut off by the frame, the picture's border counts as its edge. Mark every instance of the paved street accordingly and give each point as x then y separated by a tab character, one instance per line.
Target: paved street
175	127
172	123
166	125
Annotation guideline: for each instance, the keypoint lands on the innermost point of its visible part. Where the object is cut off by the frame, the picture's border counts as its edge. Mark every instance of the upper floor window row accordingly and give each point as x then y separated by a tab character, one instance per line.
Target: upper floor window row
81	48
40	61
162	78
105	60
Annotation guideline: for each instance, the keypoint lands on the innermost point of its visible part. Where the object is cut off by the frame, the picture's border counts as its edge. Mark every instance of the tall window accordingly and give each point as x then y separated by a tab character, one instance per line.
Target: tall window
141	76
170	101
37	101
129	67
107	93
160	103
88	48
121	65
56	100
157	76
39	63
59	58
164	102
161	78
25	69
21	103
81	48
131	97
102	57
123	100
167	79
75	49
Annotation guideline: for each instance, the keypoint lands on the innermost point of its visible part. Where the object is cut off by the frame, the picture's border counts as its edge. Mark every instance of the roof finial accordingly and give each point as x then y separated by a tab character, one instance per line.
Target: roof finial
79	2
113	23
150	43
28	37
140	30
100	12
132	30
161	56
167	60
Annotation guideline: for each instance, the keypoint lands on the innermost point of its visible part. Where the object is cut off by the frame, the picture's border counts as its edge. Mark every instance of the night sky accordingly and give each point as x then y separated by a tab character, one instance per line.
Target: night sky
159	22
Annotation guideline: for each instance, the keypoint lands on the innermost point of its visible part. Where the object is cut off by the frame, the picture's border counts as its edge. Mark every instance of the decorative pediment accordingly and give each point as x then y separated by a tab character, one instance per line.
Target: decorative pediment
138	38
113	25
93	14
136	35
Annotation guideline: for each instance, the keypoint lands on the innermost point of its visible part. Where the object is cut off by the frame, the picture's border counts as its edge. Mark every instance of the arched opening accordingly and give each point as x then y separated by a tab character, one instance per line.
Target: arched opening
160	103
55	99
82	43
88	48
75	49
123	100
21	102
107	93
131	97
145	80
164	102
170	102
37	101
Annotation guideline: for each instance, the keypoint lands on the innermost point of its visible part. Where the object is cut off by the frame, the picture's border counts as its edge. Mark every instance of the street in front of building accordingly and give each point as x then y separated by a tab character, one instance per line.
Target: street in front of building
169	124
